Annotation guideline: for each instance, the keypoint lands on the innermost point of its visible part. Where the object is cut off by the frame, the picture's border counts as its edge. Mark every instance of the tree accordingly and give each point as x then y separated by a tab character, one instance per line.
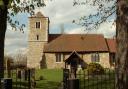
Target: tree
20	60
119	8
122	45
15	6
7	64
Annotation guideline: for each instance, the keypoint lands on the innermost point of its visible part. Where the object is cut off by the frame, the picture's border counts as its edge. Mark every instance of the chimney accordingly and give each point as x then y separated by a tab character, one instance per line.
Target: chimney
62	28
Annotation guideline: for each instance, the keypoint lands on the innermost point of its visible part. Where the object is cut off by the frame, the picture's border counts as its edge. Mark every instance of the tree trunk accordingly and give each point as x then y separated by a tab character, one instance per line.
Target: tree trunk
122	45
3	25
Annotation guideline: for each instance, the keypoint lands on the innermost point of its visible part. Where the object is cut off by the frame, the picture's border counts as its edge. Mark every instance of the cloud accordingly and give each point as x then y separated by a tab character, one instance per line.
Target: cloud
79	30
15	40
63	11
106	28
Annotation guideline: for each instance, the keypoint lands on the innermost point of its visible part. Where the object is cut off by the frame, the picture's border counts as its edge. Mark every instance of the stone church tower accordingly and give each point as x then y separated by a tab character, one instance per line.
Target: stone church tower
38	37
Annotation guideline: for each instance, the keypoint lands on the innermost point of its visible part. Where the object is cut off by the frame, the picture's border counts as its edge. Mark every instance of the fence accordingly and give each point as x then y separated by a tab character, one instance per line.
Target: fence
21	78
85	80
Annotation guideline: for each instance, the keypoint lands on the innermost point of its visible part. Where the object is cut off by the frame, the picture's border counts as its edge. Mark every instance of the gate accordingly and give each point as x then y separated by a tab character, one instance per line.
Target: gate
65	77
84	80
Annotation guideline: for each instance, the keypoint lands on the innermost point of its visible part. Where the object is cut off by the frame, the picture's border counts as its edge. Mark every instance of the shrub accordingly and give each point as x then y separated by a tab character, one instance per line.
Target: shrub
41	78
95	69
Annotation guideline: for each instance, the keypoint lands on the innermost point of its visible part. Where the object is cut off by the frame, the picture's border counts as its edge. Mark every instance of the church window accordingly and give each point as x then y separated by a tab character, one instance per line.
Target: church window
59	57
95	57
38	25
37	37
112	57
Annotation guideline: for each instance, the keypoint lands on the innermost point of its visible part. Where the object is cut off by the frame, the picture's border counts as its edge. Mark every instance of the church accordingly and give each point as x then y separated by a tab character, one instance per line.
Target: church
65	50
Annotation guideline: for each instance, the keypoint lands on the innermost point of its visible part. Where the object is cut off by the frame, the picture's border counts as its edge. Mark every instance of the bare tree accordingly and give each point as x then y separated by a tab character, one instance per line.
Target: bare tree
20	59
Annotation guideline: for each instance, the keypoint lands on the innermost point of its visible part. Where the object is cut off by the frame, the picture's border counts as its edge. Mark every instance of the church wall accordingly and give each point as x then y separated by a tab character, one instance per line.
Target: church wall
36	39
42	31
104	59
51	60
35	53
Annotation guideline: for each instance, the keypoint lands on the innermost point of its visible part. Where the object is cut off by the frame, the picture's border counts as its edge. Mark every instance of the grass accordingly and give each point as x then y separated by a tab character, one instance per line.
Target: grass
52	78
104	81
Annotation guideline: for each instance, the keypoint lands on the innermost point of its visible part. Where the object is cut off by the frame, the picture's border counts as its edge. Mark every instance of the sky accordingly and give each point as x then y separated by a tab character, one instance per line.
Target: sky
60	12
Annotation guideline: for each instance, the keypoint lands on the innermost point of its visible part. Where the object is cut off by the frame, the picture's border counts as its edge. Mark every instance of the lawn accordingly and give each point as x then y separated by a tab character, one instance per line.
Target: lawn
51	78
103	81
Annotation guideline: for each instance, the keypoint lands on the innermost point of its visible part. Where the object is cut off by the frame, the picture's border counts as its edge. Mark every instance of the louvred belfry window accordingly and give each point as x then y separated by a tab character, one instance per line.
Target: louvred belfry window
38	25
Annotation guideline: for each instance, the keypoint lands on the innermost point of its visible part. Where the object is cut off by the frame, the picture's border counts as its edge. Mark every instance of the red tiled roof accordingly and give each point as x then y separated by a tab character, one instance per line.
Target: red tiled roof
111	45
72	55
53	37
77	42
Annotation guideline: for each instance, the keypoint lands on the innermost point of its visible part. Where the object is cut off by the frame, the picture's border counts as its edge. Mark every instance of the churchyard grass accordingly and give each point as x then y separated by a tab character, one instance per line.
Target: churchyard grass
48	78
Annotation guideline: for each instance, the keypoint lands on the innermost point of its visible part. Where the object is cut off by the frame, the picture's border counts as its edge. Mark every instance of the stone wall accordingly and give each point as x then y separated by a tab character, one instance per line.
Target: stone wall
35	53
35	46
104	59
51	60
42	32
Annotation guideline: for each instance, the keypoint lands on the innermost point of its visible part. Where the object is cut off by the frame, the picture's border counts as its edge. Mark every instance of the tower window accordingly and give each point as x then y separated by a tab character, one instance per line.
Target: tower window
37	24
37	37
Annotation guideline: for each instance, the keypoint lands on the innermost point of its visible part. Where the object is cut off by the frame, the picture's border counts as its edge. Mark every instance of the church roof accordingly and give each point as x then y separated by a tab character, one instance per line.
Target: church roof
74	54
77	42
53	37
111	45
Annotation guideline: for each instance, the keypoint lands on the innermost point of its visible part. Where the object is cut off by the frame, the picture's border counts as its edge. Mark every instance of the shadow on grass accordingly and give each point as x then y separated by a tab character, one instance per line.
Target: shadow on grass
101	84
47	85
40	84
20	85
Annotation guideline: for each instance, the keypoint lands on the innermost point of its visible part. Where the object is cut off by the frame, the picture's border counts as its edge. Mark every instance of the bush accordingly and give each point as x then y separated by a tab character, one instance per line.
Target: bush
41	78
95	69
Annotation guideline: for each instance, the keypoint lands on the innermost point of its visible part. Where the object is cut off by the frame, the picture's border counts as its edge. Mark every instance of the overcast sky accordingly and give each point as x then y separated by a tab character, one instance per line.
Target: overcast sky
60	12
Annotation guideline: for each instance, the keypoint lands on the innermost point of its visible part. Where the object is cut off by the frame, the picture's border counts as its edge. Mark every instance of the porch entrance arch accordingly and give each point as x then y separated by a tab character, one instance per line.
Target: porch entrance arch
73	62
